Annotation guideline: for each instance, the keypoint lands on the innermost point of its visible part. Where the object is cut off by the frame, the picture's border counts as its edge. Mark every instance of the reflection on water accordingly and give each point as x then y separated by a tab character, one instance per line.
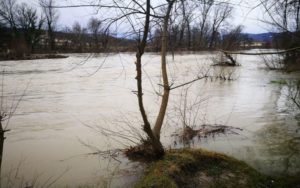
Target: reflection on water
279	140
66	97
279	145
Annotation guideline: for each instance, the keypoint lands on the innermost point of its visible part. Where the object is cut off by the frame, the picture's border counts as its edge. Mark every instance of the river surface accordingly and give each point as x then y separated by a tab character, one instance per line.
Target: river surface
73	110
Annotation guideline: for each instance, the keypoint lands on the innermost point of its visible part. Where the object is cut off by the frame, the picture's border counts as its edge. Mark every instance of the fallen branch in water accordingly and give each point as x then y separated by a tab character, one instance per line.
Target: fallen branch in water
225	59
188	133
261	53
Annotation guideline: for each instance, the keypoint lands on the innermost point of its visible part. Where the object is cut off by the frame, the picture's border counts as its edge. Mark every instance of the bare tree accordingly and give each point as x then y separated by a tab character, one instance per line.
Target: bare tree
222	11
24	26
94	27
30	24
283	17
188	17
183	24
136	13
7	13
51	15
205	8
233	38
282	14
153	143
79	36
156	145
8	9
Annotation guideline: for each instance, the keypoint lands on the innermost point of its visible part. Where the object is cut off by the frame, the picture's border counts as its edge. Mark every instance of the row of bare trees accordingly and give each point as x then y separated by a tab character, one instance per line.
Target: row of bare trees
22	26
283	16
201	25
92	38
25	30
194	25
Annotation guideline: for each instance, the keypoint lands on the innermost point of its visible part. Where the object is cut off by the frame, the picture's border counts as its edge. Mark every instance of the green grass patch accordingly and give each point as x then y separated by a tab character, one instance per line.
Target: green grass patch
201	168
279	82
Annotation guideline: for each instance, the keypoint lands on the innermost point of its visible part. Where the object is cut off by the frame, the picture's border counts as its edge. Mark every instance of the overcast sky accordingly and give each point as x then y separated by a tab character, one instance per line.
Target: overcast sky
243	14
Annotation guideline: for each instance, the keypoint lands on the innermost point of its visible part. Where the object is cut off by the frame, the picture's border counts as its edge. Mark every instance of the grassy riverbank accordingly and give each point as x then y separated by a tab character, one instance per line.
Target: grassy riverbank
200	168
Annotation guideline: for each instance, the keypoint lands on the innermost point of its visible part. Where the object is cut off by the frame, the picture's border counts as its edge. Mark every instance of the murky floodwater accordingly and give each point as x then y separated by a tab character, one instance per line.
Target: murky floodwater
75	106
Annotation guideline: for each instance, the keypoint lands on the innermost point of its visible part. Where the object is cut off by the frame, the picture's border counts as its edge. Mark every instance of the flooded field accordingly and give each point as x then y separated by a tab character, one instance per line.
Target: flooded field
71	109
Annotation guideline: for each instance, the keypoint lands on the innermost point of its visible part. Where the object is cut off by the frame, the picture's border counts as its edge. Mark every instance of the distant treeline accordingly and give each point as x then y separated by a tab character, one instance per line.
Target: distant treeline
23	42
20	41
23	31
65	42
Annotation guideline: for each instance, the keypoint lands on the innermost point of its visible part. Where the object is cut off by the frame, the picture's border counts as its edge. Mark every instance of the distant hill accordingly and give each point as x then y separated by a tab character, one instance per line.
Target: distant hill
262	37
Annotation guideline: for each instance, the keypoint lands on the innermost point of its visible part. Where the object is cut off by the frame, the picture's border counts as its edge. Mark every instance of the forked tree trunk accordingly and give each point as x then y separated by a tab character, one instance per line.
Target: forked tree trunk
154	134
156	145
165	97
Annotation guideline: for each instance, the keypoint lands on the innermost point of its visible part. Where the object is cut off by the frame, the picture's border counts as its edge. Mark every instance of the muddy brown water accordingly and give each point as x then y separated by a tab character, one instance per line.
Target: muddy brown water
75	106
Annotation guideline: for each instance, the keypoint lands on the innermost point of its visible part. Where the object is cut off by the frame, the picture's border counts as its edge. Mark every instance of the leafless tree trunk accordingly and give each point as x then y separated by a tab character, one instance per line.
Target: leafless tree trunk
182	29
166	93
222	12
94	26
51	16
30	25
2	132
105	39
157	146
205	8
188	33
79	36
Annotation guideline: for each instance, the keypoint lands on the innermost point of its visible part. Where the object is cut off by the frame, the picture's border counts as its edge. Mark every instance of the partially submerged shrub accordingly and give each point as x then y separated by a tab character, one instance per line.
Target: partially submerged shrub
225	59
282	61
294	93
273	62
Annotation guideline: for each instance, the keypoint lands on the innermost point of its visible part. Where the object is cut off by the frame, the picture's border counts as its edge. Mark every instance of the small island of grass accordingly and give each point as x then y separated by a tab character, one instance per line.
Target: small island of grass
200	168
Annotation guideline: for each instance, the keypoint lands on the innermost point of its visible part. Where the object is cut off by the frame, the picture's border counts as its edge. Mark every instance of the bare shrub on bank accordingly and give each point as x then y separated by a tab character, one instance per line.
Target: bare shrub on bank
273	61
294	93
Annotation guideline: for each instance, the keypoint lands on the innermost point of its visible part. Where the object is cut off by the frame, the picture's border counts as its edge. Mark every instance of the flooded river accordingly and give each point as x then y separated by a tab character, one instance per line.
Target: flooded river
71	108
